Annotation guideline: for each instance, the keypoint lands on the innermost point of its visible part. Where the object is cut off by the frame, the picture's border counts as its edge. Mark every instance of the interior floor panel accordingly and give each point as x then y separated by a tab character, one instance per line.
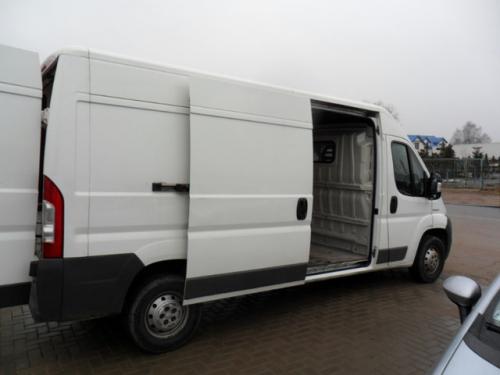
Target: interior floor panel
322	256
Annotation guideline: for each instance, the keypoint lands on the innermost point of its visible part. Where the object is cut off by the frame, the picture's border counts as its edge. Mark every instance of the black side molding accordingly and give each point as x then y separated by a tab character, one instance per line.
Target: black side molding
97	285
391	255
84	287
14	294
46	289
235	281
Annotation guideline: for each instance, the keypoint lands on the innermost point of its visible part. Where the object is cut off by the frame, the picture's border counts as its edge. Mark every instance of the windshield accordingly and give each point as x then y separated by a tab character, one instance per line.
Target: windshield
483	336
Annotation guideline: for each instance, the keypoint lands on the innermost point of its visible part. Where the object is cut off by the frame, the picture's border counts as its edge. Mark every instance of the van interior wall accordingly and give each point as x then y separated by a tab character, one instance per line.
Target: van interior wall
343	193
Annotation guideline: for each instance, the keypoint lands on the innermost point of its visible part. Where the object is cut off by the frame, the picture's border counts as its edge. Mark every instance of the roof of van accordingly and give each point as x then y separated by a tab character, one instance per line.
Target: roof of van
110	57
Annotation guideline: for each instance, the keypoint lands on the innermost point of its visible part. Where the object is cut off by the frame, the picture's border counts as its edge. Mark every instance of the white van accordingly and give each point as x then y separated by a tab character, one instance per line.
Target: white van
164	188
20	98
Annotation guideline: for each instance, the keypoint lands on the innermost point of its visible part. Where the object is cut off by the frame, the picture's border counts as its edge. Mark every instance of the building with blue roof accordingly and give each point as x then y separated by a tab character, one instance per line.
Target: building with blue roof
427	144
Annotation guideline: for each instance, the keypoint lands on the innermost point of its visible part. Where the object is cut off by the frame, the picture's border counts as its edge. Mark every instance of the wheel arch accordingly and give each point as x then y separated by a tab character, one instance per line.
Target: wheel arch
171	266
440	233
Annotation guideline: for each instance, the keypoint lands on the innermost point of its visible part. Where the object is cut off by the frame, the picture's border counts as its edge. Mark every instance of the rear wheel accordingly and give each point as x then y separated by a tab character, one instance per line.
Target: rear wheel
156	318
429	261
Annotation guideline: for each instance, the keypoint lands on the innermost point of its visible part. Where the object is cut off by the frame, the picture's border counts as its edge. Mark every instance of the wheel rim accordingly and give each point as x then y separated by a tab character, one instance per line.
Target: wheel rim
165	315
431	261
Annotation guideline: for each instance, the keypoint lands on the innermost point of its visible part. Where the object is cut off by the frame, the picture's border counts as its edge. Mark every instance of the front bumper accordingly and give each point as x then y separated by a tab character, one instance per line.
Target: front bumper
449	236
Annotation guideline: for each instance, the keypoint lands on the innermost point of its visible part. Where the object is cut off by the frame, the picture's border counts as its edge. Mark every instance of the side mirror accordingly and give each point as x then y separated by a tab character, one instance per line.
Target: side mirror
463	292
434	186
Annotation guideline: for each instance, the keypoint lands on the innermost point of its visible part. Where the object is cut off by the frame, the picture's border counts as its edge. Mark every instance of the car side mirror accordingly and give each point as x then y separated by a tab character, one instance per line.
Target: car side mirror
434	186
463	292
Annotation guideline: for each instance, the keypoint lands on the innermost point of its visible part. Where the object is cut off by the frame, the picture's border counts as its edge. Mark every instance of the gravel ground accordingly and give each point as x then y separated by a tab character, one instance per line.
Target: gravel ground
472	197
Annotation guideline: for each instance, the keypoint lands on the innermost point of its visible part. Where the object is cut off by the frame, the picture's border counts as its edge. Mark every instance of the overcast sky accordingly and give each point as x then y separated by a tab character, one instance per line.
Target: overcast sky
436	61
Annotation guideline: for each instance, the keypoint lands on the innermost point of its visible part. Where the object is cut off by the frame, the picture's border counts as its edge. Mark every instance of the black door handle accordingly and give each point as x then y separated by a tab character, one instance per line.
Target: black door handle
163	186
394	204
301	208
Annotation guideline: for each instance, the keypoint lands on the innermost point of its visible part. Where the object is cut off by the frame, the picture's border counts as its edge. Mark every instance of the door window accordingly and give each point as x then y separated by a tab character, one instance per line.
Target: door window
408	173
401	168
417	175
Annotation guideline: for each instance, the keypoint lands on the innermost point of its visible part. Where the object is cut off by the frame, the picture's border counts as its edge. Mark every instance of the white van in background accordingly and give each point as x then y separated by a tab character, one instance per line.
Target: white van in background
164	188
20	106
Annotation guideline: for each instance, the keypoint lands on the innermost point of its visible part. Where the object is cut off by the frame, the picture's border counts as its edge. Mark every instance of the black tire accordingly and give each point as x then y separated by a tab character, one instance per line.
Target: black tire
424	268
158	299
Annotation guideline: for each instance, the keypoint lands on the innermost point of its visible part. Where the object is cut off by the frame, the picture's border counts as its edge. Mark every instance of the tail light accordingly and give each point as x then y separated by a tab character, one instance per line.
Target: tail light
52	220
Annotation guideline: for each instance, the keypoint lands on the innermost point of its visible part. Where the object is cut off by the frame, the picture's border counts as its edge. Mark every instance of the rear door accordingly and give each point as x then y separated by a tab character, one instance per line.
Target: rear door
20	106
250	189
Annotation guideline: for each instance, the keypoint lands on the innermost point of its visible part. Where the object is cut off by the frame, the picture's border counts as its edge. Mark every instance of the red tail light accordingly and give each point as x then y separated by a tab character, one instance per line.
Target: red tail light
52	220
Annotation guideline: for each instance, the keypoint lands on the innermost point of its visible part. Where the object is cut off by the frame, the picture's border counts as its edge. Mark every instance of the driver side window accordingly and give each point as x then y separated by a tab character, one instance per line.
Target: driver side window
418	175
408	173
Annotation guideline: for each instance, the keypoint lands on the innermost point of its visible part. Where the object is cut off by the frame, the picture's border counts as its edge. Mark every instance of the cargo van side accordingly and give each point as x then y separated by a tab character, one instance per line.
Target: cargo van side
164	188
20	108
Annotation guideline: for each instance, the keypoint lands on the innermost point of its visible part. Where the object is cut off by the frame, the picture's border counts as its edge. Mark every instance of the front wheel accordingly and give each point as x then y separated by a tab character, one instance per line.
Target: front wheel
157	321
429	261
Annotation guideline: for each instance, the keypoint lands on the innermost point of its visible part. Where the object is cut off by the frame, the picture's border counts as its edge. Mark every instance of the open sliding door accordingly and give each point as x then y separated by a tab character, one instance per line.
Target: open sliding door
250	189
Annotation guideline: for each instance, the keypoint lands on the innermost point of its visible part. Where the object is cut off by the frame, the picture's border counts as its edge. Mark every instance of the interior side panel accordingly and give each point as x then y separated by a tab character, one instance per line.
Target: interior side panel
343	194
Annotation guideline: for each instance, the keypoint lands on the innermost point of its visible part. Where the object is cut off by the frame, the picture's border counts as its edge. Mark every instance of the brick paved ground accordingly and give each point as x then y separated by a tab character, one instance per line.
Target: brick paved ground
379	323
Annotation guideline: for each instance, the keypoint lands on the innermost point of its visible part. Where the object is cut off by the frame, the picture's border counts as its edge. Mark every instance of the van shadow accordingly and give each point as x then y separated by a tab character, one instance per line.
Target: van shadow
228	314
225	312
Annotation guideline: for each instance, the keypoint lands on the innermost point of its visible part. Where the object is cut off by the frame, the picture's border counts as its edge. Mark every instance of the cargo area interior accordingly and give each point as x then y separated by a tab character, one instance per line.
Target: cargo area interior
343	189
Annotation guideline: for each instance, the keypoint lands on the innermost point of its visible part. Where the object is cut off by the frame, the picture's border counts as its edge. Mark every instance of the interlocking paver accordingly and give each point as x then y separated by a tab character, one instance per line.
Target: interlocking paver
369	324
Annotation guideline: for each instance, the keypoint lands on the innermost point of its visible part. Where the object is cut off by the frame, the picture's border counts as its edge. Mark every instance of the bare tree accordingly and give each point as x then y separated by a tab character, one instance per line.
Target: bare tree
470	133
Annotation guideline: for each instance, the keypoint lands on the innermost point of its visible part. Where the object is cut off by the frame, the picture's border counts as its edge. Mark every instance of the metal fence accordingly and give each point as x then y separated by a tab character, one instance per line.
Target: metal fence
466	173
